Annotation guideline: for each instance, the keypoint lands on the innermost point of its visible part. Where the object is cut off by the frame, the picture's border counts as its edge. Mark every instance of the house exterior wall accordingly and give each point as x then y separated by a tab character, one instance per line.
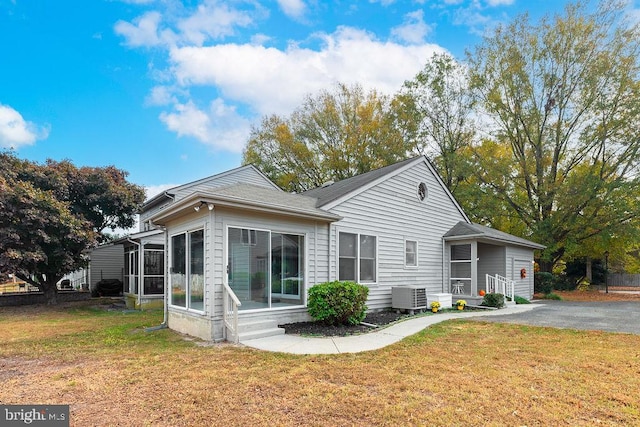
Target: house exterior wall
246	175
208	325
106	262
517	259
392	211
492	261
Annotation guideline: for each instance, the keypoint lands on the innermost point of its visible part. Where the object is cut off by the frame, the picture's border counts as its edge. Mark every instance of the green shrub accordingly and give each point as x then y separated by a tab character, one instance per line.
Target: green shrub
521	300
493	300
338	302
543	282
553	296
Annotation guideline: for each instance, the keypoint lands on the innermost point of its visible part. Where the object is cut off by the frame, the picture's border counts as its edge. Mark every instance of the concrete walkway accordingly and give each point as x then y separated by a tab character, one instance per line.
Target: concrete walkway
296	344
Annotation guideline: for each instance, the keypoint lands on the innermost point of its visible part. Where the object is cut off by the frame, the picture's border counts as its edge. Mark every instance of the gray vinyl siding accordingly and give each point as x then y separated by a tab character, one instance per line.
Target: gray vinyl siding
245	175
492	260
518	258
144	216
106	262
392	212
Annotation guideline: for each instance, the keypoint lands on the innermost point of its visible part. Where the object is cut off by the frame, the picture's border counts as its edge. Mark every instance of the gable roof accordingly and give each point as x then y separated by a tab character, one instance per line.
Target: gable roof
332	195
170	193
250	197
332	192
463	230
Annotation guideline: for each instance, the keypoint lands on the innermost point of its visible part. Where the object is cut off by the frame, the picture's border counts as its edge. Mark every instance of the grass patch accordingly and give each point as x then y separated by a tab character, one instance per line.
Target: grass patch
111	372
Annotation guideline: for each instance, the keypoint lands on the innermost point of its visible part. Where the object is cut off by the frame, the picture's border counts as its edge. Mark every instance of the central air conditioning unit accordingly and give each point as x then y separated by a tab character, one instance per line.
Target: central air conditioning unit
411	297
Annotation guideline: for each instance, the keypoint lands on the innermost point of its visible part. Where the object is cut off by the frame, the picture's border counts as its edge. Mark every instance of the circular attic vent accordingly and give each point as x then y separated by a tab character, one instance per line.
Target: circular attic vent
422	191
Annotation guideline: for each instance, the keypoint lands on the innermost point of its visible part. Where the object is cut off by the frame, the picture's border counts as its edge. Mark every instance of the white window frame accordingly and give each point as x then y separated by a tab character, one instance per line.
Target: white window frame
187	234
358	258
153	276
406	264
251	239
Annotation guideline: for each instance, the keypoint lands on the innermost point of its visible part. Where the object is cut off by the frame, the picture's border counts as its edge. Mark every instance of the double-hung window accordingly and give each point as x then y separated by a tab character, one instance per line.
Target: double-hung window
410	253
187	270
357	257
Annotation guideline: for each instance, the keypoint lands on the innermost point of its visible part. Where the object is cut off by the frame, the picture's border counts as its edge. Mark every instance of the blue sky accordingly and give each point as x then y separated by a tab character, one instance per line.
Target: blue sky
168	90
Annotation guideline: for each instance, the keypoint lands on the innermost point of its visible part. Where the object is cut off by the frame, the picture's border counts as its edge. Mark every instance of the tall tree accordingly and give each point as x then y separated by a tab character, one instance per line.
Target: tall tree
53	213
564	96
332	136
440	97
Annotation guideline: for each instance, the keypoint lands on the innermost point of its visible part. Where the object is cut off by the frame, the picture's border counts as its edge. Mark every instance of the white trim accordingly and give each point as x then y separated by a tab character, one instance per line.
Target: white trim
417	263
302	290
187	231
358	258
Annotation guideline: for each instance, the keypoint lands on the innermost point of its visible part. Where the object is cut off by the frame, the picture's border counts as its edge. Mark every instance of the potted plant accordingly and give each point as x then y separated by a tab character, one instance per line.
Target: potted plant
460	304
435	306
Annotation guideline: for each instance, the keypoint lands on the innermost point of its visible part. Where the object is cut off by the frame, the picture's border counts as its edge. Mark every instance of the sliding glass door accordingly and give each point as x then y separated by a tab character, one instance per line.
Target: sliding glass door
265	269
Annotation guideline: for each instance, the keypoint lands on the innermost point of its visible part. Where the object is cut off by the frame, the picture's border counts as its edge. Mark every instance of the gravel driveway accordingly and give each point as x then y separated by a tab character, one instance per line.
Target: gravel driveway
615	316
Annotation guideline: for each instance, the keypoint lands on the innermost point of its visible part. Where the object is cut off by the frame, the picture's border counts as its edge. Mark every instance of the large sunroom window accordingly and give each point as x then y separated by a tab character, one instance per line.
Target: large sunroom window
266	268
187	270
357	257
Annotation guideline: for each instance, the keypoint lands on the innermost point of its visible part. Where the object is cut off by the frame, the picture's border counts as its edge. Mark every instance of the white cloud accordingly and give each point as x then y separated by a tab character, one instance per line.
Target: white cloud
160	95
292	8
15	131
212	21
257	79
414	30
383	2
275	81
220	126
494	3
153	190
143	32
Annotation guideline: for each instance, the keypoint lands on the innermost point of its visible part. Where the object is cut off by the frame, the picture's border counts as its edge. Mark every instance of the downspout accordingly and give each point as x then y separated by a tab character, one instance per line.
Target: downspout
444	289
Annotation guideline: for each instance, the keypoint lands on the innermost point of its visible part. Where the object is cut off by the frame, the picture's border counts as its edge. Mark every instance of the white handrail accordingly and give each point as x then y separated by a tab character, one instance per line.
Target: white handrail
230	312
501	285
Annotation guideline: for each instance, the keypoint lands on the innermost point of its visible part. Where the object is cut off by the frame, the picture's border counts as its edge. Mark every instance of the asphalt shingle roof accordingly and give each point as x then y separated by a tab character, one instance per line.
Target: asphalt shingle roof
332	192
463	229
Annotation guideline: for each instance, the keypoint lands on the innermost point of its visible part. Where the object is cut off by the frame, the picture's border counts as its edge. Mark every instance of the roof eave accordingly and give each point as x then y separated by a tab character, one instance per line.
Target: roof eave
532	245
178	209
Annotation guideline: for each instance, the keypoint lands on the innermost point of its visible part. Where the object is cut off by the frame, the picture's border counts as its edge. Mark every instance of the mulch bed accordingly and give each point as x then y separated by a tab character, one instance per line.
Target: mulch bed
380	318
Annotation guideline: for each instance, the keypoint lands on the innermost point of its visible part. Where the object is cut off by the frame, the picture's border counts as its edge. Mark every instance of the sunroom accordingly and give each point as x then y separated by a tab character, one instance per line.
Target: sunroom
255	244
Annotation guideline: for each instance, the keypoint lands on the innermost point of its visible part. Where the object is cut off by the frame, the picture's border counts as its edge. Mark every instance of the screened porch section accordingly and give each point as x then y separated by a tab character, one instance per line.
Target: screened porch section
460	276
152	277
266	268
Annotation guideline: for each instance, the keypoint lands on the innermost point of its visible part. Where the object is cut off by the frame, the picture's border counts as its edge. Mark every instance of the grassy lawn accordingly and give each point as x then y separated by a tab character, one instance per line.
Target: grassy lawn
111	372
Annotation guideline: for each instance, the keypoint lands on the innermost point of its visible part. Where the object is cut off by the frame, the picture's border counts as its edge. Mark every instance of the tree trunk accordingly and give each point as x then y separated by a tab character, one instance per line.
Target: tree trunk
589	273
50	292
